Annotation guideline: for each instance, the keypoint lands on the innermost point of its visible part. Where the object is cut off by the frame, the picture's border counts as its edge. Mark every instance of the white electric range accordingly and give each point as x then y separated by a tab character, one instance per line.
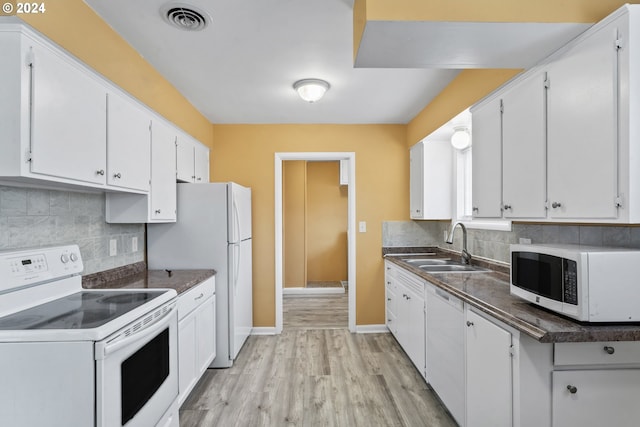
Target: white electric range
79	357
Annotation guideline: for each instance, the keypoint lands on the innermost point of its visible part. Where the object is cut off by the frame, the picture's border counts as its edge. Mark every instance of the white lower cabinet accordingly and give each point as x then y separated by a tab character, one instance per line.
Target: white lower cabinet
489	390
196	335
408	321
596	398
445	349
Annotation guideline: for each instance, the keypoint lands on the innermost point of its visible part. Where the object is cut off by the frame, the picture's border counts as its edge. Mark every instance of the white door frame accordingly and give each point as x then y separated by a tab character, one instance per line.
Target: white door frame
351	227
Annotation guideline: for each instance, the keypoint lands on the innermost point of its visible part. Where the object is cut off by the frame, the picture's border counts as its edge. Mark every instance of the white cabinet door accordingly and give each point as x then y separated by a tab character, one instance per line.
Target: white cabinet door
582	129
128	144
410	318
445	350
184	159
430	180
206	330
416	181
487	163
162	206
68	119
489	379
187	365
524	177
201	163
596	398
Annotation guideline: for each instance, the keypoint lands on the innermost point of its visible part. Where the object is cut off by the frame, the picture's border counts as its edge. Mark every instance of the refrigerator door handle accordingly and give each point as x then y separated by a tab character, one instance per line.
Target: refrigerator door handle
236	222
236	261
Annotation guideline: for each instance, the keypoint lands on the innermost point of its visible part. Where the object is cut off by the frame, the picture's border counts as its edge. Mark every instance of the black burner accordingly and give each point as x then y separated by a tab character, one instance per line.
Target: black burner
82	310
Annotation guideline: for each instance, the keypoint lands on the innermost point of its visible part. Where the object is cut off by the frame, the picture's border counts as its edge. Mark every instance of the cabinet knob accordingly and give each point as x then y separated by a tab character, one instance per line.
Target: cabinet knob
117	175
100	172
408	297
199	179
556	205
469	323
474	209
609	350
507	207
388	299
157	211
572	389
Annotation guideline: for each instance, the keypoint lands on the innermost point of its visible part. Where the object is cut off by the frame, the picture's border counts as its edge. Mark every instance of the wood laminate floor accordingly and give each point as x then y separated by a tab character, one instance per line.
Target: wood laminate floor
315	376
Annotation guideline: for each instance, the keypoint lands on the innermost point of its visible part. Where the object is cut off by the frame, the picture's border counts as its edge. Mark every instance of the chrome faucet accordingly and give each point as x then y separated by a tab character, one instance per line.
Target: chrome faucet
466	256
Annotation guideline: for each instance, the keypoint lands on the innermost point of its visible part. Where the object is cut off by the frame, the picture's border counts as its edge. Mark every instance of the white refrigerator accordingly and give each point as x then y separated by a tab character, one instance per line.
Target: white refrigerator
213	231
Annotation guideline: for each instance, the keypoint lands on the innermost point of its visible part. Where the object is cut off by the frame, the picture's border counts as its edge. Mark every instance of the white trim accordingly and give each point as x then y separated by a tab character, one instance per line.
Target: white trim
312	291
351	226
263	330
372	329
498	225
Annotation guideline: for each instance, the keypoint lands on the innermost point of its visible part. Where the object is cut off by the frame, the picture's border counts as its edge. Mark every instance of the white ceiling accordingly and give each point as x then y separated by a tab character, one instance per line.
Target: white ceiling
241	68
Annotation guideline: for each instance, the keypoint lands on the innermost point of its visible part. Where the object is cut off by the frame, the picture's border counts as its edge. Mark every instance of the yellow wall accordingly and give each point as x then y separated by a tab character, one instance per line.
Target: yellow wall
74	26
294	185
326	223
245	154
490	10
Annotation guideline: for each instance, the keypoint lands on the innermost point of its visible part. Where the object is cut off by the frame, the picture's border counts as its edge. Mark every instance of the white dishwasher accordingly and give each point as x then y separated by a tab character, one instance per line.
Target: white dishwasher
445	349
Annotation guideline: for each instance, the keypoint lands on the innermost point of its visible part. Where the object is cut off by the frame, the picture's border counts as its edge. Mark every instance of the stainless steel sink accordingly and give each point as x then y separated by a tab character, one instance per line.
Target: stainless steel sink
444	265
452	268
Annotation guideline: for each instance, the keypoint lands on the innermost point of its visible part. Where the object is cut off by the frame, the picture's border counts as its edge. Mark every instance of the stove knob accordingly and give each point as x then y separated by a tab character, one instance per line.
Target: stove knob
73	257
64	258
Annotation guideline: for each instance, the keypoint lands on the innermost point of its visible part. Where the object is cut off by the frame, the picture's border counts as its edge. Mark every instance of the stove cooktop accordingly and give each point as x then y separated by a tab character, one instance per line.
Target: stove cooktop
81	310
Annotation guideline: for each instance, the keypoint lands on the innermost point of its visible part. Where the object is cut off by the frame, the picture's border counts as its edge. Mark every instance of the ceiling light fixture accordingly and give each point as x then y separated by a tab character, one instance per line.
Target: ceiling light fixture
311	90
461	138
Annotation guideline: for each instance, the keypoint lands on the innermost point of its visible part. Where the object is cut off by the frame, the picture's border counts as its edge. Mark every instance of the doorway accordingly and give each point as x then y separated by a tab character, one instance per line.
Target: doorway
349	159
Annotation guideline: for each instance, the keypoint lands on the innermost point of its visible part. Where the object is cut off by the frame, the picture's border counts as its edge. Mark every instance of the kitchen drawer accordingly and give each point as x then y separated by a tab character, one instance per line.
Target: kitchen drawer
597	353
195	296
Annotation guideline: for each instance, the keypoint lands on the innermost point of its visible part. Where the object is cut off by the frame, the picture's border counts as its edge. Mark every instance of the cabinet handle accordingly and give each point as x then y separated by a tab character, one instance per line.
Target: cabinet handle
556	205
572	389
157	211
100	172
469	323
117	175
507	207
198	297
609	350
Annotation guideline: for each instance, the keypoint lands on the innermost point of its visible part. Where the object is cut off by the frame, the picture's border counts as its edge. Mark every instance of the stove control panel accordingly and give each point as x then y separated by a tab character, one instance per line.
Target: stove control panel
32	266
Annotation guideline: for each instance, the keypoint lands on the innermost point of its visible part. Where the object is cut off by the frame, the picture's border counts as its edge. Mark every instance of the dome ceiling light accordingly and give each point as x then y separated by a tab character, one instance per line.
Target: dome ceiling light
311	90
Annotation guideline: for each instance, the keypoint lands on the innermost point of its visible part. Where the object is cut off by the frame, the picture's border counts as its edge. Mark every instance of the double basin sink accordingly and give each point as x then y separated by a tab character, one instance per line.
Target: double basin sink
444	265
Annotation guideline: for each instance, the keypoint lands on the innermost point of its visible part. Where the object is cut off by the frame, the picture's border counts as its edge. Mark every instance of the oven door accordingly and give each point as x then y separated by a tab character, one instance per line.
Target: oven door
137	371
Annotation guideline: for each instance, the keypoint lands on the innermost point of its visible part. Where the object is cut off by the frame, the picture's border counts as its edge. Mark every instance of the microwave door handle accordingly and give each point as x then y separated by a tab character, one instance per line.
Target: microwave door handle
104	348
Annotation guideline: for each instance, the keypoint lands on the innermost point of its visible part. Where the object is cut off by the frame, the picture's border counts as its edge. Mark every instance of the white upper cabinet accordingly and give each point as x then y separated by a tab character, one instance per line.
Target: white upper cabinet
128	143
524	149
159	205
163	173
68	111
430	180
192	160
582	128
569	151
487	154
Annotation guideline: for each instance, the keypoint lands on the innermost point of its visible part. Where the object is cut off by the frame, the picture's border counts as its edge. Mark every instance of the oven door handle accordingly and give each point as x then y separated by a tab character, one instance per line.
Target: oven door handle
104	348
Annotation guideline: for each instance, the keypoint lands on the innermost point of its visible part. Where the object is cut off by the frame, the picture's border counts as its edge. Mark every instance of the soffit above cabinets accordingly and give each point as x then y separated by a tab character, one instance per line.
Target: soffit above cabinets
413	44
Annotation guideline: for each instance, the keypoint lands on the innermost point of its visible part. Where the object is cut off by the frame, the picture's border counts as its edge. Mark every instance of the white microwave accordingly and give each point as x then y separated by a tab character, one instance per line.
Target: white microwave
586	283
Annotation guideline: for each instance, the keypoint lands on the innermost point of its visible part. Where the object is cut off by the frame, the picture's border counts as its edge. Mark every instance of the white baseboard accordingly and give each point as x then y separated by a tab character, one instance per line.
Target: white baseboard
371	329
264	330
312	291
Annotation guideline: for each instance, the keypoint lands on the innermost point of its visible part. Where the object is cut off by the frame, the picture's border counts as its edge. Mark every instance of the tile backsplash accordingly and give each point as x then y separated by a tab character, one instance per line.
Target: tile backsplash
36	218
495	244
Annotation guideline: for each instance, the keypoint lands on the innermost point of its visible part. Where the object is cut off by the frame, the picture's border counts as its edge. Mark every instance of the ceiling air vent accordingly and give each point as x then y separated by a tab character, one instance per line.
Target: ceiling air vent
185	17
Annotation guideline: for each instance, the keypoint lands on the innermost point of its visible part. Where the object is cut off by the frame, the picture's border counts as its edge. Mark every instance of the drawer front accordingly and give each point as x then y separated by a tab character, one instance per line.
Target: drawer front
597	353
195	296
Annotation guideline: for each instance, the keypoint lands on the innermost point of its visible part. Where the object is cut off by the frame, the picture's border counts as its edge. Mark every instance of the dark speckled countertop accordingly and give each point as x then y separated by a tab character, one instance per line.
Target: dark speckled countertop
489	292
136	276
